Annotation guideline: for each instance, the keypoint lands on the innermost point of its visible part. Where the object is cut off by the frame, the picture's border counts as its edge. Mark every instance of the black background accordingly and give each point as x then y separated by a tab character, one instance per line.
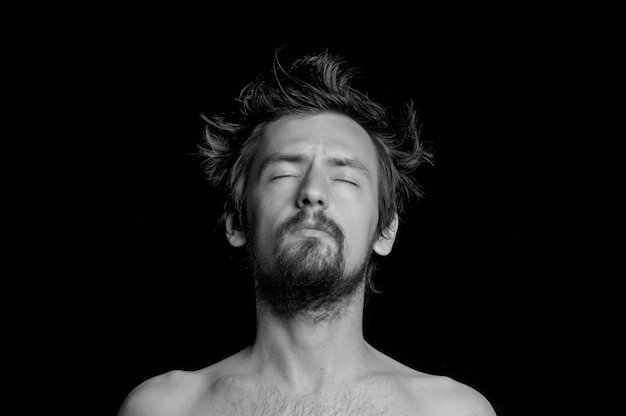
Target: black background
497	276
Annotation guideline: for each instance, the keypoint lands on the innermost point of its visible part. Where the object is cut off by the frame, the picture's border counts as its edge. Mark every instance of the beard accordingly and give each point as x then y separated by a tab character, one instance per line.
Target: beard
308	277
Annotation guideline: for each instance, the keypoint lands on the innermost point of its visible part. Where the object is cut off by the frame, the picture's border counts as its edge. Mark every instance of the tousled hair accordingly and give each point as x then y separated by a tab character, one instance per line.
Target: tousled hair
311	85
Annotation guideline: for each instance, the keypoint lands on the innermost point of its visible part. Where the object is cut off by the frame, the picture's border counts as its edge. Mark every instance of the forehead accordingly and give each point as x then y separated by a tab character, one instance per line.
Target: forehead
319	135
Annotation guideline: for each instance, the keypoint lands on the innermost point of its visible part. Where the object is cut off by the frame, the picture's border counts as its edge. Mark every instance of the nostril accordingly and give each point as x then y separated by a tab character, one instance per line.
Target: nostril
312	202
312	192
307	201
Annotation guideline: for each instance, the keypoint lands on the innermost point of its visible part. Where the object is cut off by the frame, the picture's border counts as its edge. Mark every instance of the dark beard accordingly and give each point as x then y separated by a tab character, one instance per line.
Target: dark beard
308	277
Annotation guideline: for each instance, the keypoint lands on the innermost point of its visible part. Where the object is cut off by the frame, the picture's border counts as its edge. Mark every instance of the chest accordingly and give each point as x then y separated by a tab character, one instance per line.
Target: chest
276	403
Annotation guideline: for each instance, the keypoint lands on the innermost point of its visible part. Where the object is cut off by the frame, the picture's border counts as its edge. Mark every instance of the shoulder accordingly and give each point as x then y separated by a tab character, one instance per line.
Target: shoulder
172	393
445	396
432	394
181	393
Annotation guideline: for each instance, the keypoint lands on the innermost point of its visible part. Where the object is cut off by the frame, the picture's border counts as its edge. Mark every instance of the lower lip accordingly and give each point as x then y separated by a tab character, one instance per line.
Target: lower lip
311	232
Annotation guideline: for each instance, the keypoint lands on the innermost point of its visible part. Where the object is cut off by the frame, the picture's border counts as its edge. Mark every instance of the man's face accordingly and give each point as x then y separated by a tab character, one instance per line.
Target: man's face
312	196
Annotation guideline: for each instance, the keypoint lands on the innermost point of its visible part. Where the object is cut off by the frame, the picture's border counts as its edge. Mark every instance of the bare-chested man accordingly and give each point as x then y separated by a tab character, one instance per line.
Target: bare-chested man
315	173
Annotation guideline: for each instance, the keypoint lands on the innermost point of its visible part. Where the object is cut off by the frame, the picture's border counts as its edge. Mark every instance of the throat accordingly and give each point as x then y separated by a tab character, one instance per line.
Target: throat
306	356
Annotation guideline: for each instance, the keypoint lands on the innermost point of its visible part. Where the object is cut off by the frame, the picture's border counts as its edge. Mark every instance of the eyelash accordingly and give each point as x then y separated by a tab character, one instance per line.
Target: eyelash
347	181
338	180
283	176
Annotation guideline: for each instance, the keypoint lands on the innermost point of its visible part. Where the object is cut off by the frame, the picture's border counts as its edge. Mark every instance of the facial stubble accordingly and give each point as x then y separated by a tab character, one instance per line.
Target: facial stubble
308	276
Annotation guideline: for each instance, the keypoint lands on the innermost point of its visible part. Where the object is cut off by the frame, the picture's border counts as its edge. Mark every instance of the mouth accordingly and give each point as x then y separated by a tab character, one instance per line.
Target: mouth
312	227
311	232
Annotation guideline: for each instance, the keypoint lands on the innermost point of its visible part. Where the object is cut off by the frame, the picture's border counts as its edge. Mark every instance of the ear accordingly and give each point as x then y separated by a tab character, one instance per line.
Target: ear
234	234
384	244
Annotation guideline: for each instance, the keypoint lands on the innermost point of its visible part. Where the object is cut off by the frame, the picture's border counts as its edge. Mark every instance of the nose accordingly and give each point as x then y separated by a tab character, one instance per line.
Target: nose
313	192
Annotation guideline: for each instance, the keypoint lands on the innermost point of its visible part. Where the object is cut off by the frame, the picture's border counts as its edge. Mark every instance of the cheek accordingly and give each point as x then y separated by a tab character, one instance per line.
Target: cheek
360	227
264	218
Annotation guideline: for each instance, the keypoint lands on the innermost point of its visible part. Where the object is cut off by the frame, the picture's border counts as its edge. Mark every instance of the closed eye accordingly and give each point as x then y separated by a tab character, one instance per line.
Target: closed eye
348	181
284	175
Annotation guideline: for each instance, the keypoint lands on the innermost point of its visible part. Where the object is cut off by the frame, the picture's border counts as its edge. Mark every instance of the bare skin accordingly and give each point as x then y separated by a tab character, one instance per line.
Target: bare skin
298	368
301	366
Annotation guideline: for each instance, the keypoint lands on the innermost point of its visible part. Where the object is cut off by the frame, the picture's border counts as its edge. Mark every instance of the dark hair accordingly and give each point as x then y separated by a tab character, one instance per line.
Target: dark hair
313	84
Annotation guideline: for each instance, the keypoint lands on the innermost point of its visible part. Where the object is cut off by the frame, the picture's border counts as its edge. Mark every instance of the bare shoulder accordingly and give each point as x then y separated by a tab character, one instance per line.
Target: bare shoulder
444	396
180	393
174	393
435	395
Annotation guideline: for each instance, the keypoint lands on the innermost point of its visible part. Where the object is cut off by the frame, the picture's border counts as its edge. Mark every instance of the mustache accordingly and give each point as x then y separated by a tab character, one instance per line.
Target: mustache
316	220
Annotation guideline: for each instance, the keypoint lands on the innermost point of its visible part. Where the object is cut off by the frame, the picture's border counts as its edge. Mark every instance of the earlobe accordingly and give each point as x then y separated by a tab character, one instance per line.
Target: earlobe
235	235
384	244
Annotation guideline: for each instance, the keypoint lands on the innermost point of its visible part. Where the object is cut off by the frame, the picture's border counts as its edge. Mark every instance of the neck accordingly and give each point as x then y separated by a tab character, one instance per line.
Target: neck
307	355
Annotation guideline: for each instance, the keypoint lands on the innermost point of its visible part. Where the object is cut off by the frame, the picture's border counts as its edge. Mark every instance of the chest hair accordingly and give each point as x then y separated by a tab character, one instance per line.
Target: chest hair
272	402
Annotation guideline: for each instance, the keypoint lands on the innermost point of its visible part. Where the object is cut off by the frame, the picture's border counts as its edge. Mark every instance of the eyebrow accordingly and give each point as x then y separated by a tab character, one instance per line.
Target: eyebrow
350	163
335	161
276	158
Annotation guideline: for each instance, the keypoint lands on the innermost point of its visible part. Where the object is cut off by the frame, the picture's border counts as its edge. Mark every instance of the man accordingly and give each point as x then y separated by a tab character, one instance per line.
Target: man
315	174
